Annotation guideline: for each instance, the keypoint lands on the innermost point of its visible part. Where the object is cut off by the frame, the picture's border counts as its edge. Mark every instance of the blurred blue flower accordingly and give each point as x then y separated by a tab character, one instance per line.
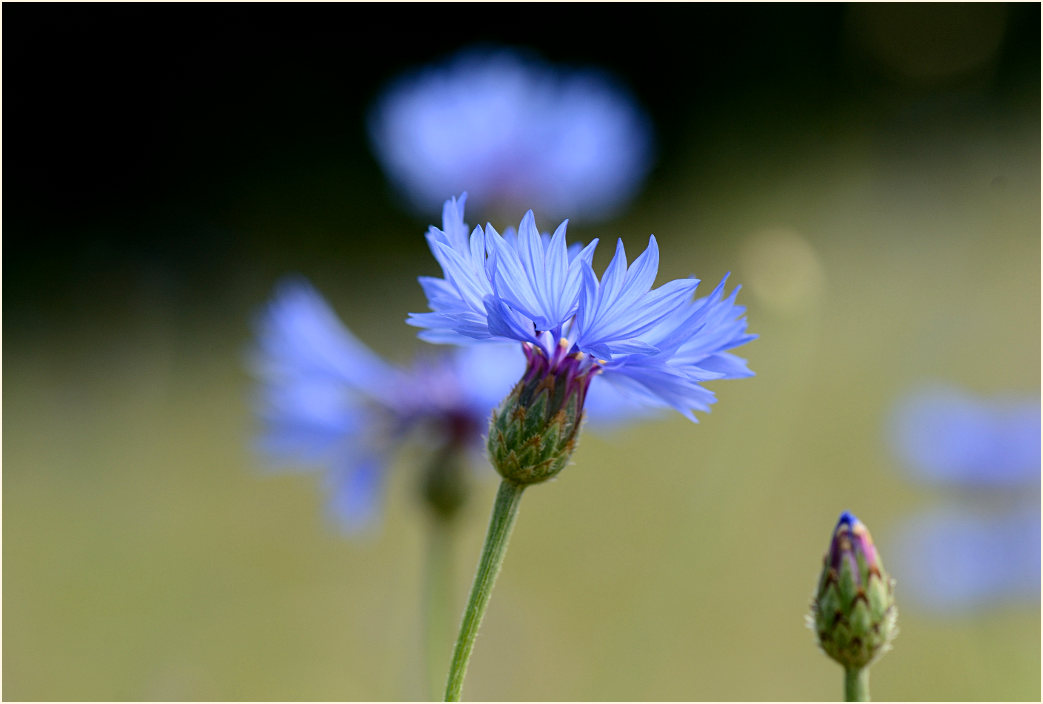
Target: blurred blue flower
951	559
983	546
512	130
328	402
658	345
947	435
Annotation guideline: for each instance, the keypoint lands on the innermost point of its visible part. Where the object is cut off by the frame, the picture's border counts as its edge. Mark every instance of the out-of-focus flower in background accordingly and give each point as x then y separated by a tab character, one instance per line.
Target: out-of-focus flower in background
962	557
947	435
328	402
514	132
982	546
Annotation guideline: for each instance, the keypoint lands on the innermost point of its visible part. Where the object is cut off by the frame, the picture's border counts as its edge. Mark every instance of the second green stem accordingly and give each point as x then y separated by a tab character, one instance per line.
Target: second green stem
437	600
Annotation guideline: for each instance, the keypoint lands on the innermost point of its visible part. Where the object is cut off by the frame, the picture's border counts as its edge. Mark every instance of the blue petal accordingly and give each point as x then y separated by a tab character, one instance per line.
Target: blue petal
453	224
612	279
299	335
621	307
471	288
511	280
608	405
506	323
557	264
306	421
355	490
727	365
656	382
460	326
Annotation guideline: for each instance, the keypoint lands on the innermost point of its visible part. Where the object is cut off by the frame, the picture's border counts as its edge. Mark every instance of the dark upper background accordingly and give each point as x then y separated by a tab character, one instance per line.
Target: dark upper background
187	139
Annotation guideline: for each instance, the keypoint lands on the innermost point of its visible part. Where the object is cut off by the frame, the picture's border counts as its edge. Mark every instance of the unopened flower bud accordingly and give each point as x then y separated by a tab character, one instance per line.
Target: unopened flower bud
534	431
853	612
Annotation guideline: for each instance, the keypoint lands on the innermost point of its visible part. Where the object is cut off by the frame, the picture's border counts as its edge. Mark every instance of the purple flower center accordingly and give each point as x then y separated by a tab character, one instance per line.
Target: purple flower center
571	372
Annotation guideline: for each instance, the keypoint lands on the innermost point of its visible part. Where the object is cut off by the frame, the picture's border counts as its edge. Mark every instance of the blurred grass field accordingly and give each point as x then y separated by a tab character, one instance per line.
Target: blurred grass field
147	557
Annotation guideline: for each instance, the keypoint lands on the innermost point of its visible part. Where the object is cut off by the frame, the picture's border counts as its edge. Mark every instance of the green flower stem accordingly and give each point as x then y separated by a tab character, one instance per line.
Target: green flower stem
856	684
437	596
505	510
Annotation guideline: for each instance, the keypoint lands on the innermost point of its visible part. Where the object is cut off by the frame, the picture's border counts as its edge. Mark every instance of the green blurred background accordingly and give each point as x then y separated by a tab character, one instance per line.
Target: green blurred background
869	173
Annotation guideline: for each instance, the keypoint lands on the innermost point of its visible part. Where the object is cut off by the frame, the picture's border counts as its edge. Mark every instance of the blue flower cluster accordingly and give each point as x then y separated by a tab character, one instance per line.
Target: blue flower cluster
657	345
513	131
981	546
327	401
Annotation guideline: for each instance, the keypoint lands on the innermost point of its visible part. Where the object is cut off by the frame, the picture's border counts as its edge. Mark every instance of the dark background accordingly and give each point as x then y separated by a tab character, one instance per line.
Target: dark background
186	138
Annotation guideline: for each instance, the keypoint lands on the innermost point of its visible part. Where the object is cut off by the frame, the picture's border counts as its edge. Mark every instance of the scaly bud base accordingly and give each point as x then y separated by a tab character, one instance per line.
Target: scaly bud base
534	431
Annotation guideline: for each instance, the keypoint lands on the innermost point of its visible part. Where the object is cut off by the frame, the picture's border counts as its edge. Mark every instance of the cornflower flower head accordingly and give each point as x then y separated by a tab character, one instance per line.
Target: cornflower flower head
512	130
657	345
327	401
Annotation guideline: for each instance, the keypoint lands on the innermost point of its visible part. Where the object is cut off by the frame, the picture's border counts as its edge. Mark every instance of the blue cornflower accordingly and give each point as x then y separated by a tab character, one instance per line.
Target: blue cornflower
532	289
513	131
955	558
327	401
945	434
657	345
982	545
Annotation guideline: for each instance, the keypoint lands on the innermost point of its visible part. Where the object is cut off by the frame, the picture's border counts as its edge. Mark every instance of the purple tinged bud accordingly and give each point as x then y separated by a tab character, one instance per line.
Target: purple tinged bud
851	541
853	612
534	431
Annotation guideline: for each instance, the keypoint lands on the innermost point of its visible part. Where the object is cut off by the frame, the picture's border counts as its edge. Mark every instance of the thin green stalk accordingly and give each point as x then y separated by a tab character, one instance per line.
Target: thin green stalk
437	595
856	684
505	510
